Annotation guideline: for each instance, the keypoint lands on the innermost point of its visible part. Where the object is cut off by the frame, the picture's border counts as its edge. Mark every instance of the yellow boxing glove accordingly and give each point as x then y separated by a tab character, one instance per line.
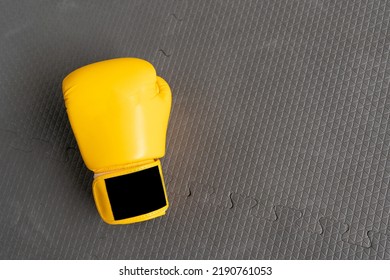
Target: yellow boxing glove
119	111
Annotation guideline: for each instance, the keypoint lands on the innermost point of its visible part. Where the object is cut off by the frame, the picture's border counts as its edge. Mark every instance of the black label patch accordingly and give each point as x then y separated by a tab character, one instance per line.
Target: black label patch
135	194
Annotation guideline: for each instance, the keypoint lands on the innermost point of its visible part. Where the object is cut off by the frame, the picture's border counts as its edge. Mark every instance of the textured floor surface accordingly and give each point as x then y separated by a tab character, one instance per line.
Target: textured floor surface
278	143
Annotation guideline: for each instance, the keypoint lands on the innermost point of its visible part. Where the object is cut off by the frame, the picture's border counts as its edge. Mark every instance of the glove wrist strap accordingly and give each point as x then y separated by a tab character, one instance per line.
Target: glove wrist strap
131	194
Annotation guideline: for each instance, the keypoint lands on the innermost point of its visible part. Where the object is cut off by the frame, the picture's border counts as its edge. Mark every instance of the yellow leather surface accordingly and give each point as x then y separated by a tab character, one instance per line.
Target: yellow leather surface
119	111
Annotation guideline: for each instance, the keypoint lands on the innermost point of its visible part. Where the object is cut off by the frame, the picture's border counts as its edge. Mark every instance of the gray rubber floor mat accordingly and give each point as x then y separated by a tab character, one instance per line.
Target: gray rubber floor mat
278	143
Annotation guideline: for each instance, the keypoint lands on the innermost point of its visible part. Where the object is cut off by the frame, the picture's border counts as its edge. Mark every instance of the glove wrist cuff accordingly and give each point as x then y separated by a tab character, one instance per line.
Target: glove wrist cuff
116	169
131	194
